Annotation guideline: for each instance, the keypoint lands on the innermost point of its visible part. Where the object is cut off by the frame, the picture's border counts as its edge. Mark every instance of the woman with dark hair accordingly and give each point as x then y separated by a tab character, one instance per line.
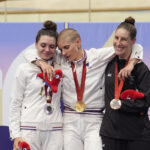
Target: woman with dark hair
127	100
35	115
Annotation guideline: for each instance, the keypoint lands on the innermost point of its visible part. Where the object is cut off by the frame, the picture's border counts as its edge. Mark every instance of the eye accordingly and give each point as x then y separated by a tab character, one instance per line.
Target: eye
52	46
67	47
116	37
124	39
43	45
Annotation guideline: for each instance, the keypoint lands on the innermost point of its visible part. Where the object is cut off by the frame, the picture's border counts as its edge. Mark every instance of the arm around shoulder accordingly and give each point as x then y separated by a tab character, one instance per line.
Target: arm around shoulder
30	54
137	52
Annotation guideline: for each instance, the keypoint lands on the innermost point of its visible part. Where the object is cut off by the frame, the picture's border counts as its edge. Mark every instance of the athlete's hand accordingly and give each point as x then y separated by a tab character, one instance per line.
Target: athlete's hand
46	68
126	71
16	143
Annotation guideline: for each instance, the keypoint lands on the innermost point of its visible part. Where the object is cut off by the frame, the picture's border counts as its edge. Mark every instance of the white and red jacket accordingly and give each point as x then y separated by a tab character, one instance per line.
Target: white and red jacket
27	105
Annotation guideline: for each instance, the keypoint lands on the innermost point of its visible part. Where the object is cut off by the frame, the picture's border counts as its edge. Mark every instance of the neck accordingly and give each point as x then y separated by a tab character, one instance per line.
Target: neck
80	55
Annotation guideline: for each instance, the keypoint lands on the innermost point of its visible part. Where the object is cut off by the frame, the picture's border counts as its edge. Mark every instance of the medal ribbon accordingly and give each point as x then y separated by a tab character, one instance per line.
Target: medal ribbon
118	87
79	90
48	93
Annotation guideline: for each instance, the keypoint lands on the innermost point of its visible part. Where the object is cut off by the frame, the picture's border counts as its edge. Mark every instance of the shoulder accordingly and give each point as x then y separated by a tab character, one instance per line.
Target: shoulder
26	67
100	52
141	70
23	66
142	66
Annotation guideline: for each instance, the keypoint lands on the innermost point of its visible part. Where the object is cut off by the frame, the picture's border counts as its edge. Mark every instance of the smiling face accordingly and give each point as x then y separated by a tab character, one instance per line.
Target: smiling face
70	49
46	47
122	43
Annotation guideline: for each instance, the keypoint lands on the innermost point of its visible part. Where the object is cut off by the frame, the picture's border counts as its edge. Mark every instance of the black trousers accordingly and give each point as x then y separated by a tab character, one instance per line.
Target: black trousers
118	144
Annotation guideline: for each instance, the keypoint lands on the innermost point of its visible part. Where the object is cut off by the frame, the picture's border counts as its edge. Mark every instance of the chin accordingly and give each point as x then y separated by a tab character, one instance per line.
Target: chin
45	58
119	53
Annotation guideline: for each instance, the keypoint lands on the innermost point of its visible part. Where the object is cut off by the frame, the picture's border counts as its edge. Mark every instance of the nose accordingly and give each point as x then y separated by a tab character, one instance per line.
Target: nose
47	48
63	52
118	42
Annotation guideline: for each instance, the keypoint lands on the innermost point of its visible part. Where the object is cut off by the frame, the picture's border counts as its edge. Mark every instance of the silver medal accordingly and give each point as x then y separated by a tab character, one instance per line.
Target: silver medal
48	109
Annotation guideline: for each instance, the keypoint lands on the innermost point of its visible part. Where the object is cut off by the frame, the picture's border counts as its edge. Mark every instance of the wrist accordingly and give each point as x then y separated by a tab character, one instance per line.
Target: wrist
38	62
134	61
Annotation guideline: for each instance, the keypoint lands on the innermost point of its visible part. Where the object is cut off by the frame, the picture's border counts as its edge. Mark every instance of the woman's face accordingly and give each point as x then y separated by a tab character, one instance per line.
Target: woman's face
46	47
122	43
70	50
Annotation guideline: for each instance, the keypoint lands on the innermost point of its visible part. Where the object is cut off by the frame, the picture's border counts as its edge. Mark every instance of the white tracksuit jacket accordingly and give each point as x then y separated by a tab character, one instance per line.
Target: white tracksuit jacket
27	105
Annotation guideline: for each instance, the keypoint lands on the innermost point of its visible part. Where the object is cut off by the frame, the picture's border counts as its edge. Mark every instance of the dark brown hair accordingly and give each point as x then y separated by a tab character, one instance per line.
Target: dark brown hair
49	28
129	25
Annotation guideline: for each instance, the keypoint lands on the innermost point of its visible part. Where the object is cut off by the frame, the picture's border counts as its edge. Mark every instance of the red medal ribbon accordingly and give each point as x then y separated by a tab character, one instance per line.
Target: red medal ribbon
80	90
118	87
50	92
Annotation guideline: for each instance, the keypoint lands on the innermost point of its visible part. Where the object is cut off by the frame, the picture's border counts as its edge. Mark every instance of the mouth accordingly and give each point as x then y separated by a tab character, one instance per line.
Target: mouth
48	54
119	48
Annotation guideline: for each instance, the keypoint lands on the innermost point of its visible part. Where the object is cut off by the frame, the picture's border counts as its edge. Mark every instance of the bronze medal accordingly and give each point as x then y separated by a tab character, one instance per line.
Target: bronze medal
115	104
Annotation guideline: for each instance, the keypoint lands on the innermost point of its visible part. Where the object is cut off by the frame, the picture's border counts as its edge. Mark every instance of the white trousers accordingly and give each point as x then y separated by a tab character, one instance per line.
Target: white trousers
43	140
81	131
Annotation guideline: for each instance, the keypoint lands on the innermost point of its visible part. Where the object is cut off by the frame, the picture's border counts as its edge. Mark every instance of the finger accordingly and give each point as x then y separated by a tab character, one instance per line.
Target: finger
44	75
53	72
129	73
50	77
124	75
44	72
48	71
120	74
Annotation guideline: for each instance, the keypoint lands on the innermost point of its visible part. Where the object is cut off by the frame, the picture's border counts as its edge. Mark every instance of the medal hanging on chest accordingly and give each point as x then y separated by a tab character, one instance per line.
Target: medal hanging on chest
116	102
50	88
48	106
79	105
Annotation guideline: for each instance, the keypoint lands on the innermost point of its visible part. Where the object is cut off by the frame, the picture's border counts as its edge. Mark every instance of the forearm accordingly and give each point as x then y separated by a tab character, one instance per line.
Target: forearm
30	54
126	71
137	52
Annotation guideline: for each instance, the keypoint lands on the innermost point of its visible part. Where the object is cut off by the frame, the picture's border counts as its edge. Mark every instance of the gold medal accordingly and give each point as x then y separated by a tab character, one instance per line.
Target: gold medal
115	104
80	106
